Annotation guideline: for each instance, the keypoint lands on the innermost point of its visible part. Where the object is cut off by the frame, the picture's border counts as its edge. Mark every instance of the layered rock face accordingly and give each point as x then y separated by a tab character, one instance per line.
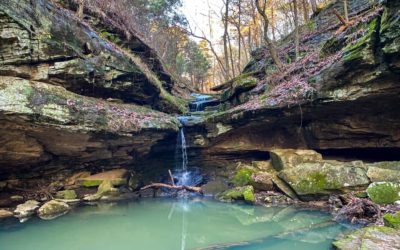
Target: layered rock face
350	102
69	99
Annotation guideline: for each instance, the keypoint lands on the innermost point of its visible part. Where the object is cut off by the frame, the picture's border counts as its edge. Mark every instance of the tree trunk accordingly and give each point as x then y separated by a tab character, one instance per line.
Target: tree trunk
269	43
305	11
240	33
273	22
296	33
346	12
81	6
314	6
225	38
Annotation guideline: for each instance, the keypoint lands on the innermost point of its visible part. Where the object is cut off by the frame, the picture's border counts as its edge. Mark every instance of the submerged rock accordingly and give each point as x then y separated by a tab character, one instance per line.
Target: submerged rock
53	209
245	193
214	187
369	238
384	192
24	211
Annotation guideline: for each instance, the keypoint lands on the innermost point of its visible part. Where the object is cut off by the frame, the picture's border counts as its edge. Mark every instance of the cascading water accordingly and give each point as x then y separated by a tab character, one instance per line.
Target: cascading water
181	159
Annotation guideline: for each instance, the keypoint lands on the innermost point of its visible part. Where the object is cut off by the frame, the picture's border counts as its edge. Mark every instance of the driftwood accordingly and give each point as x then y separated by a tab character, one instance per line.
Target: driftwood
233	245
183	187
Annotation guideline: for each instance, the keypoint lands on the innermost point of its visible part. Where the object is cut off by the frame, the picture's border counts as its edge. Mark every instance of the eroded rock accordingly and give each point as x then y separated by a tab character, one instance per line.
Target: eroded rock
116	177
25	210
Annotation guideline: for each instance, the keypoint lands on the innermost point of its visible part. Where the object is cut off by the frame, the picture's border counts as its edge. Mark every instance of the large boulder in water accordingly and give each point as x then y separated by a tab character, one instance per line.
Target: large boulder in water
53	209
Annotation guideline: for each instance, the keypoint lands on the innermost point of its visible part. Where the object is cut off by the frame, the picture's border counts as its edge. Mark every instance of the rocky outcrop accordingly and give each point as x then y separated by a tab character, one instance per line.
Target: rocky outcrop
26	210
69	98
41	41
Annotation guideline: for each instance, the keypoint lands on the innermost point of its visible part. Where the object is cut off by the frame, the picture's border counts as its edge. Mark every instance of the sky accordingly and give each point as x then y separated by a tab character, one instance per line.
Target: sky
197	11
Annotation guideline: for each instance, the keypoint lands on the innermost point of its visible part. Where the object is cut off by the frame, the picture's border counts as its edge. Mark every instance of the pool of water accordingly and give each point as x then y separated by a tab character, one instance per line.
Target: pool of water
152	224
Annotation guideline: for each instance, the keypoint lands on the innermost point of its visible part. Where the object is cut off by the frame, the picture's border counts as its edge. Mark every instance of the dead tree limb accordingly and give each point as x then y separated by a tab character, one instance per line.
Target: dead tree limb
341	19
172	178
183	187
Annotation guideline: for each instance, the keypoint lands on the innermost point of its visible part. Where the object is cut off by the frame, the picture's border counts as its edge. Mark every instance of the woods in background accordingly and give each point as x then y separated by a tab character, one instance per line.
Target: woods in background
199	57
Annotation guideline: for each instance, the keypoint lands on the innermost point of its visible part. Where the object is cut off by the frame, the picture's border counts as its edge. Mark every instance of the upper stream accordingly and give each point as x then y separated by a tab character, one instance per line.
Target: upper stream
168	224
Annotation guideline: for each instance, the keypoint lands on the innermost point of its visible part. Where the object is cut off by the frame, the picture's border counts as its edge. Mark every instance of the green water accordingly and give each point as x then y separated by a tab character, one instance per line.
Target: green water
153	224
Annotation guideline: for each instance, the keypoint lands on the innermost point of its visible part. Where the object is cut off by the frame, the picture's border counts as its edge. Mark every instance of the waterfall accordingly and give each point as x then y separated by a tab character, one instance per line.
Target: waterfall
181	159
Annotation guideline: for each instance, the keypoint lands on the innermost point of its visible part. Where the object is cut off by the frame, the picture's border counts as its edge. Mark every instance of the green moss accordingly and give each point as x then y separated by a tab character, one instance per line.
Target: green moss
330	47
66	194
245	193
91	183
392	220
363	48
314	183
242	177
384	192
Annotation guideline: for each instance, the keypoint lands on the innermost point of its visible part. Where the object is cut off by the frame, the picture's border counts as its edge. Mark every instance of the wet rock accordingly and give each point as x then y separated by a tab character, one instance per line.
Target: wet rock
273	198
384	171
116	177
25	210
384	192
392	220
324	177
369	238
290	158
214	187
245	193
66	195
5	214
53	209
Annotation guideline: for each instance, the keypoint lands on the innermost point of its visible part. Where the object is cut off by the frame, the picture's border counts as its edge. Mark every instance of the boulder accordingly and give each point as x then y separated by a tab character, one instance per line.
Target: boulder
290	158
388	171
324	177
384	192
27	209
245	193
5	214
214	187
117	177
66	195
392	220
369	238
262	181
53	209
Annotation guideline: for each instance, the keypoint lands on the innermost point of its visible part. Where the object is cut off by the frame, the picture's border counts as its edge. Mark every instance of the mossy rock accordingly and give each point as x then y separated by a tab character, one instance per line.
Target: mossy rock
245	193
242	177
324	178
66	195
240	84
392	220
384	192
388	171
53	209
117	177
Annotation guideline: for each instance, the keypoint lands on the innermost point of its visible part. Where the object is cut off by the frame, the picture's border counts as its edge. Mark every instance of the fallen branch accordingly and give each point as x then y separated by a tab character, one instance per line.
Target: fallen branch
183	187
341	19
172	177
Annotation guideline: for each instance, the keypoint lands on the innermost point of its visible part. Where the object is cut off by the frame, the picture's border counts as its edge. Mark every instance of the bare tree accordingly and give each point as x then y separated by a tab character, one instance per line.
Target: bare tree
226	37
296	31
346	12
313	6
271	47
81	7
